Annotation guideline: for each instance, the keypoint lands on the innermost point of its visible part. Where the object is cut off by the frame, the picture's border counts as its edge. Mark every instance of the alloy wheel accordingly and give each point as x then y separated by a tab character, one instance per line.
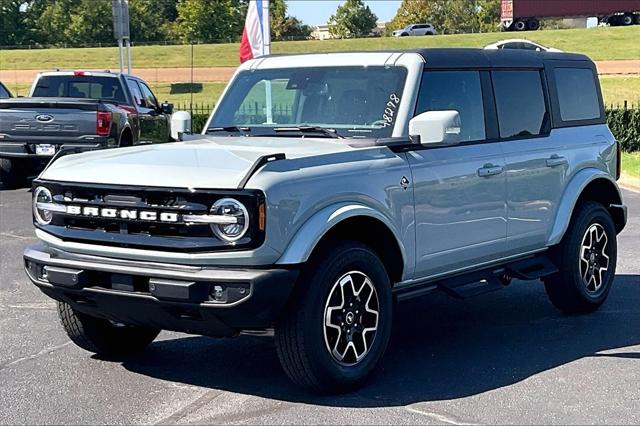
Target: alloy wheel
351	318
594	261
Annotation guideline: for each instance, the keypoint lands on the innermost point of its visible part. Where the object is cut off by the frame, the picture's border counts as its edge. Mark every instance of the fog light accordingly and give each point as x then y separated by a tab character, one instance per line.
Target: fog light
218	293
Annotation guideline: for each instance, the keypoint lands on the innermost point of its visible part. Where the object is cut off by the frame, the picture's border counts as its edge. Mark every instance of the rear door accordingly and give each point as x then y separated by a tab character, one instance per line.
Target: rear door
536	166
159	125
460	190
152	123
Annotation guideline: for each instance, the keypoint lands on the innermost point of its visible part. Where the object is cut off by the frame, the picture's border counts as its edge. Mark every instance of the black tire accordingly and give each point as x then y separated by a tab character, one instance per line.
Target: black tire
404	35
12	173
519	25
576	288
125	139
533	24
303	339
628	19
636	18
102	337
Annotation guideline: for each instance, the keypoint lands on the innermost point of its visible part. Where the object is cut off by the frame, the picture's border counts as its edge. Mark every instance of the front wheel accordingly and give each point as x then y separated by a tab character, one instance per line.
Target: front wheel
338	327
102	337
586	260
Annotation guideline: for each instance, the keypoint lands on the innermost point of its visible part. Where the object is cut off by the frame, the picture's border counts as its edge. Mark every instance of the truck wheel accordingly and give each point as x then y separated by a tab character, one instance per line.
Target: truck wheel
627	19
103	337
520	25
338	326
11	174
533	24
586	260
636	18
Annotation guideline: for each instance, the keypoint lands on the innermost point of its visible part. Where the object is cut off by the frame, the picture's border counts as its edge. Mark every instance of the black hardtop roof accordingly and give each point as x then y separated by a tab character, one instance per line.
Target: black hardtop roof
489	58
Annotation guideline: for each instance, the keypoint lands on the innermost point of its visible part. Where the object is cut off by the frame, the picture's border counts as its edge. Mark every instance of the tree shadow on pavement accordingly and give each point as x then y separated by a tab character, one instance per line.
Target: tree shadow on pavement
441	349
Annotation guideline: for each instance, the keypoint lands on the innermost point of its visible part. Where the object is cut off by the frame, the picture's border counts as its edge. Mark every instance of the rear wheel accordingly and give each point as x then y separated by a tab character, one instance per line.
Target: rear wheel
533	25
104	337
520	25
636	18
12	173
338	327
586	259
628	19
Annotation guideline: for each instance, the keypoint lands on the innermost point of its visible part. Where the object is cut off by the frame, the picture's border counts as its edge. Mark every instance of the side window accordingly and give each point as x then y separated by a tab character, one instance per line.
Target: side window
148	96
455	90
520	102
3	93
135	92
577	94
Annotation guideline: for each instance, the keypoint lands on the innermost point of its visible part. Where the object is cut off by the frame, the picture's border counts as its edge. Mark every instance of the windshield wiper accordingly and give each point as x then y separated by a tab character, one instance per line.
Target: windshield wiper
310	129
229	129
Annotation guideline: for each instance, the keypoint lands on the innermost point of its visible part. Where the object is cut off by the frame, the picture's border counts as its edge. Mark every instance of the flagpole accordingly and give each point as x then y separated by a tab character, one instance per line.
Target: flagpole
266	50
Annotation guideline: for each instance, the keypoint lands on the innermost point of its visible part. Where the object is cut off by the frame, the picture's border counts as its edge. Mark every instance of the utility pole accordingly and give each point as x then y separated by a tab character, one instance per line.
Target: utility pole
121	31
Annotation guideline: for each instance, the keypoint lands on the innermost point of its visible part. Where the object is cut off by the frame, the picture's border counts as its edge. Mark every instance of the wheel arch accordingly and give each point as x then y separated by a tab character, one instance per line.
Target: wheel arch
349	222
588	184
126	133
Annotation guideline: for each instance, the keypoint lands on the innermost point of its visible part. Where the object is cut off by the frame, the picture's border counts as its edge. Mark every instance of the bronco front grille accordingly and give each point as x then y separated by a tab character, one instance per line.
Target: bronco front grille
148	234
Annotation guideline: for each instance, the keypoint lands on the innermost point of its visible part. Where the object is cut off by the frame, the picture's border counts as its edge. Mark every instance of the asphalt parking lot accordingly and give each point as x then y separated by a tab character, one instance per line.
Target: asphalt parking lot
506	357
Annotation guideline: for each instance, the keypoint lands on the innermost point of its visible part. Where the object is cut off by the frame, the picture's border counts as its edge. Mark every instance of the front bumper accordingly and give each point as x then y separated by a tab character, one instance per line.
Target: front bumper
199	300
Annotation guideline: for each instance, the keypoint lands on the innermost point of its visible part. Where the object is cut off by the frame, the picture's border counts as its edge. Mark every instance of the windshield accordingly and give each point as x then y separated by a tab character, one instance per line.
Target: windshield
70	86
350	101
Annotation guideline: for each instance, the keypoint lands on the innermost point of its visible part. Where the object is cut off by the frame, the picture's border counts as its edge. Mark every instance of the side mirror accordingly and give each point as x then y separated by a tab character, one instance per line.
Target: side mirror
436	128
180	124
167	108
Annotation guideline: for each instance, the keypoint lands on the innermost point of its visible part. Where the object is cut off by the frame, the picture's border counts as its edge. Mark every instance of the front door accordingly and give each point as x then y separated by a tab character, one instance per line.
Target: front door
459	190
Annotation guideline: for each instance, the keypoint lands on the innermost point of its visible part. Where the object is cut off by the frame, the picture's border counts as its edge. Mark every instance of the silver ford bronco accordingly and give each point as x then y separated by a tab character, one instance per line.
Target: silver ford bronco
324	189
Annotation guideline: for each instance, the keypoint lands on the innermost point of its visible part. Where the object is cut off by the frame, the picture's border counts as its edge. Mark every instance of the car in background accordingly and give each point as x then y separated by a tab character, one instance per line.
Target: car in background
415	30
76	111
520	44
4	92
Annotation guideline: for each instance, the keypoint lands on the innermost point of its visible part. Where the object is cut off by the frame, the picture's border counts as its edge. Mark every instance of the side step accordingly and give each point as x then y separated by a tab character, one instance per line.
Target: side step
466	286
533	268
483	281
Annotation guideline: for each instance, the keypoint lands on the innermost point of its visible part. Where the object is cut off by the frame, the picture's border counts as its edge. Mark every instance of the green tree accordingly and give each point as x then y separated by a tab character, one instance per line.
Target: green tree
150	20
448	16
352	19
210	20
16	22
285	26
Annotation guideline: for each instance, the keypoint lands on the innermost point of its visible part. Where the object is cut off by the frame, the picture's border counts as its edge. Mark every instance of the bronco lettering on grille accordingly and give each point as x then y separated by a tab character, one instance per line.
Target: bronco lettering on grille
124	214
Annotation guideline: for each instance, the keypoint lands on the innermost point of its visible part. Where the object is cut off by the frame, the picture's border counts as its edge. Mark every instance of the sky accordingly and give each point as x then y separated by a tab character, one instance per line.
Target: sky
316	12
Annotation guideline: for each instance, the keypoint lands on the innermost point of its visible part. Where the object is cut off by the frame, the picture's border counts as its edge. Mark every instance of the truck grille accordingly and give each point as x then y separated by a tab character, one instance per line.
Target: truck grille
134	232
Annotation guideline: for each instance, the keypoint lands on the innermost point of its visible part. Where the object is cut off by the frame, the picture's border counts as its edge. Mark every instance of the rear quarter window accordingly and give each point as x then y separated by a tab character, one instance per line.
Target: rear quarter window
520	102
577	94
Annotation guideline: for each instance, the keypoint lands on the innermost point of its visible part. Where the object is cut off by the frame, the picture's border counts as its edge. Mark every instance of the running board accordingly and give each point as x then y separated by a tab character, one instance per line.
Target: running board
533	268
483	281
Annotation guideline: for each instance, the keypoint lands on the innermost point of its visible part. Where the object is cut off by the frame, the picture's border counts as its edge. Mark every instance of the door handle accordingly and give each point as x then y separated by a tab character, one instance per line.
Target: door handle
490	170
556	160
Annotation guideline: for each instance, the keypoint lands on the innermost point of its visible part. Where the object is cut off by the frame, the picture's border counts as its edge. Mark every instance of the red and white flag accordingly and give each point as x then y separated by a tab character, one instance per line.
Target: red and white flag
256	36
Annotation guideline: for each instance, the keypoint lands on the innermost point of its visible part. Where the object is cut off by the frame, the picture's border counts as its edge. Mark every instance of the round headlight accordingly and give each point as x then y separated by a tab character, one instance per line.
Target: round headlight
42	195
231	232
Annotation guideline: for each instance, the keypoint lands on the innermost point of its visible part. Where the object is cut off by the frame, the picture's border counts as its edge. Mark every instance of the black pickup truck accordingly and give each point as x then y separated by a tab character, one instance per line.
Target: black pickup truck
77	111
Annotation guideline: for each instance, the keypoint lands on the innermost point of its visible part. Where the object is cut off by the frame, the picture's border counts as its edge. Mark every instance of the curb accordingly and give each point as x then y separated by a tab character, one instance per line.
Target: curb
631	183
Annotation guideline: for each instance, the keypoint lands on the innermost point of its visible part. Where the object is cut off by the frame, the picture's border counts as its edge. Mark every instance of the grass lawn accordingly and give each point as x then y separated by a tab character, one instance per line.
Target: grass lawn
598	43
616	90
631	163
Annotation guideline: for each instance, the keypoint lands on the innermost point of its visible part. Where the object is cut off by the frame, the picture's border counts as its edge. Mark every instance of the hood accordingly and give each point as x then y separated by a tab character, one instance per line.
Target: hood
212	162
